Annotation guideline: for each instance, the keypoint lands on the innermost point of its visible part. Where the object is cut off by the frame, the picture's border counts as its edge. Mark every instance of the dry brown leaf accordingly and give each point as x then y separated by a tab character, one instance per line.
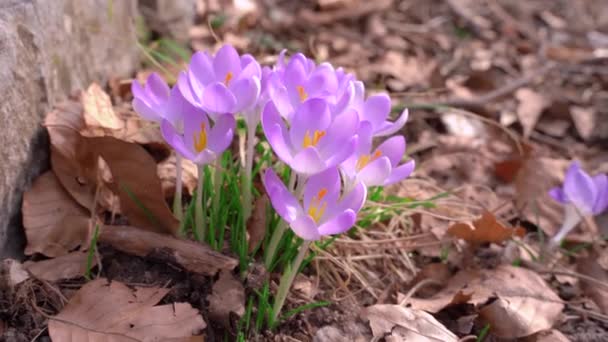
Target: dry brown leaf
98	111
520	302
485	229
549	336
191	255
166	173
397	323
227	298
102	311
410	71
589	266
54	224
63	267
531	105
256	224
584	121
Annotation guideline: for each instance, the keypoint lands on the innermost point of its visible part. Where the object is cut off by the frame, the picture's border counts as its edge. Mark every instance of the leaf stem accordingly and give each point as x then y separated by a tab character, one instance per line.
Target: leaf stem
287	279
199	216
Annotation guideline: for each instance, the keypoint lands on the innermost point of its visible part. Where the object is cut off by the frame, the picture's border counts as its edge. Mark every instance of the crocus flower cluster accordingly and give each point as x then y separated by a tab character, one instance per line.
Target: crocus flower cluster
315	117
582	195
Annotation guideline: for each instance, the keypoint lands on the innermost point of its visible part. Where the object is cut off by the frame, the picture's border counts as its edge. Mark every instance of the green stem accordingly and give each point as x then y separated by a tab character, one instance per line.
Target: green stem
247	180
278	232
199	216
177	199
287	280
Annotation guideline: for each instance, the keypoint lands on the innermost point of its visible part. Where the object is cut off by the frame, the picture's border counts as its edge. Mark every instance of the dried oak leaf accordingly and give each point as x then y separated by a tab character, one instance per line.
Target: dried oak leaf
54	223
98	110
397	323
590	267
103	311
63	267
256	224
485	229
531	105
516	302
226	299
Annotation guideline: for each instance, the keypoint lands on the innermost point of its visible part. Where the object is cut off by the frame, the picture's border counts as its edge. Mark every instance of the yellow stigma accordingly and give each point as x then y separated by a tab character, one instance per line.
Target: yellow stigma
366	159
201	143
302	93
316	209
314	140
228	78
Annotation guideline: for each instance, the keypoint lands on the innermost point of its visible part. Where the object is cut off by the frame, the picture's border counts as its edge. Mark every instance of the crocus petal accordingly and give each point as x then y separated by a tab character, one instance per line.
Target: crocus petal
390	128
348	148
183	83
322	80
295	72
218	99
278	94
338	224
393	148
276	133
157	88
205	157
353	200
175	140
137	90
305	227
376	109
194	120
201	67
313	115
601	201
376	172
308	162
327	181
558	195
580	189
401	172
247	91
250	69
176	106
283	202
226	61
342	129
345	101
145	111
221	134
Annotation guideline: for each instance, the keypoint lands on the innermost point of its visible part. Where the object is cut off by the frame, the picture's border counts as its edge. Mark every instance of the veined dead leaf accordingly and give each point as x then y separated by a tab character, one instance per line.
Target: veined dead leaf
98	110
531	106
54	223
485	229
515	301
63	267
398	323
227	298
103	311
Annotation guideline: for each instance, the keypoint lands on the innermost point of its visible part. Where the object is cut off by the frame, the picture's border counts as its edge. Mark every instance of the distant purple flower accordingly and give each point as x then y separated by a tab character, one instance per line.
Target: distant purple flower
315	140
378	168
200	141
324	211
224	83
588	194
375	110
150	100
291	84
581	195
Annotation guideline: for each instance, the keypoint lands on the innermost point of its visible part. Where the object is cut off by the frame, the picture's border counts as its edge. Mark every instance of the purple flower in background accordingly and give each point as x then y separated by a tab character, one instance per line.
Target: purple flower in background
324	211
150	100
375	110
582	195
224	83
316	140
588	194
200	141
291	84
378	168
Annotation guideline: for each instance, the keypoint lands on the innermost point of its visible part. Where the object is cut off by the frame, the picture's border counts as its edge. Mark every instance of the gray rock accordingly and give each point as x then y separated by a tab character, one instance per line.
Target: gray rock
171	18
49	49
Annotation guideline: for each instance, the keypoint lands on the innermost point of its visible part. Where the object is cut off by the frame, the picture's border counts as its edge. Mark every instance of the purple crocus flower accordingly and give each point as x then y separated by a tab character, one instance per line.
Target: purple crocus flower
150	100
291	84
375	110
316	140
581	195
325	211
378	168
200	141
224	83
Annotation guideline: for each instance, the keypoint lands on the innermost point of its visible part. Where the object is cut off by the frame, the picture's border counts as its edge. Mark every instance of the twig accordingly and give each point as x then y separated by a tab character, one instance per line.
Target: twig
417	287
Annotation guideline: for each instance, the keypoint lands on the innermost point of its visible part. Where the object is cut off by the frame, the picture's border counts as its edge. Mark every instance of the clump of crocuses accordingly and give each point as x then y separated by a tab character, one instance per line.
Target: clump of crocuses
317	120
582	195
